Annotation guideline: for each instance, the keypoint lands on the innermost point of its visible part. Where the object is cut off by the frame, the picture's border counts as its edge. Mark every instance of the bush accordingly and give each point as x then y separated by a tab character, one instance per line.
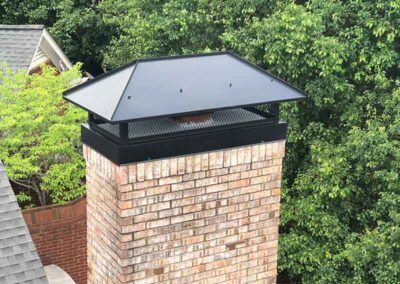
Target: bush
40	135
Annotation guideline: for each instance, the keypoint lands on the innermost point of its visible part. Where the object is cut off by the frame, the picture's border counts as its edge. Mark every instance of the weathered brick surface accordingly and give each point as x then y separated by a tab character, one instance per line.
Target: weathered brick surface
59	234
204	218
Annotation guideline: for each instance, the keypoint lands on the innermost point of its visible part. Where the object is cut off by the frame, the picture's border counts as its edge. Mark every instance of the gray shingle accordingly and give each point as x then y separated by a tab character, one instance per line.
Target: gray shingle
5	225
19	261
18	44
6	199
7	207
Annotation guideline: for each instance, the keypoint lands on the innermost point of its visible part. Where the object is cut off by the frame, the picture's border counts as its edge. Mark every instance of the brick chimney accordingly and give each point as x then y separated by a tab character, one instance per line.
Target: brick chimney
183	177
209	217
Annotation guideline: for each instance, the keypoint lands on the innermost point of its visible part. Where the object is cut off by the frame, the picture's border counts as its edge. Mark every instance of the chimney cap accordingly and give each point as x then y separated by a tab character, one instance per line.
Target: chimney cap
180	85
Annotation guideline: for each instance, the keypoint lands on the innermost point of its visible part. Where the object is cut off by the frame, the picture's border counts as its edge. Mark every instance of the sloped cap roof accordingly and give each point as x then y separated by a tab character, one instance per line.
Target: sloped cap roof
19	260
178	85
18	44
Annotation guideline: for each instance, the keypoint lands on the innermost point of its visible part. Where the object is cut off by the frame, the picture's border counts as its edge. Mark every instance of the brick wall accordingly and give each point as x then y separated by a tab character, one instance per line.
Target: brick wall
59	234
206	218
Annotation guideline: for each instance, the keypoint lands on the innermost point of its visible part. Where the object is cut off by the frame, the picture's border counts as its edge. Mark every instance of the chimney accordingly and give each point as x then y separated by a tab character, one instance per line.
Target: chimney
183	171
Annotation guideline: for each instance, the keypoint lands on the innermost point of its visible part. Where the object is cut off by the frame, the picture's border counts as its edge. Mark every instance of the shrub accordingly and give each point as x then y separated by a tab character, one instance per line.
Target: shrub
40	135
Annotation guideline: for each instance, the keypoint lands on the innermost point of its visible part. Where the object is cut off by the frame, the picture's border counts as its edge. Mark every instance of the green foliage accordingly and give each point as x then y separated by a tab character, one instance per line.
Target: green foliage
340	214
154	28
81	32
342	208
24	12
341	195
39	134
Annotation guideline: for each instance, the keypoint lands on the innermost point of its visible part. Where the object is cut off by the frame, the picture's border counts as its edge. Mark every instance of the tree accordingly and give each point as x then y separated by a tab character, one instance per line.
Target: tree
341	189
340	210
77	26
158	28
81	31
342	213
341	196
39	134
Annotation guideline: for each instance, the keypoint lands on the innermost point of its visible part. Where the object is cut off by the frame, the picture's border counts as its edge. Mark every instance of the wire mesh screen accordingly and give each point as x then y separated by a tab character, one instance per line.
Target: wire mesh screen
146	128
111	128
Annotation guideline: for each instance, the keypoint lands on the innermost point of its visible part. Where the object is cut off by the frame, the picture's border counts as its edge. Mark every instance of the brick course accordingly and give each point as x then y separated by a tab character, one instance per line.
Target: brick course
59	234
203	218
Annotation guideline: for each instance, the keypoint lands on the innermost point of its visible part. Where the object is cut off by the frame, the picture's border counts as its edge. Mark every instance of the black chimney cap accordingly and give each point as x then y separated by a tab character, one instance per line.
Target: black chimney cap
179	85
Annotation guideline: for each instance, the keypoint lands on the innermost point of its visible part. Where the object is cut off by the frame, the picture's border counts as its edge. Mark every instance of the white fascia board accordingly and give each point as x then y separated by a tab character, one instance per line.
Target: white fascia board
56	49
33	56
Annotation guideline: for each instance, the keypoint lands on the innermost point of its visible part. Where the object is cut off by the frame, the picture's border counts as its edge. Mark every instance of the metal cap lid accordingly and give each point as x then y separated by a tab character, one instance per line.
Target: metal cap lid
180	85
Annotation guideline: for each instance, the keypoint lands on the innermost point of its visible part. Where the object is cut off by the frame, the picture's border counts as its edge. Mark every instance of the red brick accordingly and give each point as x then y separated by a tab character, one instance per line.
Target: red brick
204	218
64	242
121	175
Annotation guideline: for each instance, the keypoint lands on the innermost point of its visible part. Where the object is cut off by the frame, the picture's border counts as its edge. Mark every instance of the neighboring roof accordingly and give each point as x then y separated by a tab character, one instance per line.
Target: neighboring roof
149	88
19	261
27	46
18	44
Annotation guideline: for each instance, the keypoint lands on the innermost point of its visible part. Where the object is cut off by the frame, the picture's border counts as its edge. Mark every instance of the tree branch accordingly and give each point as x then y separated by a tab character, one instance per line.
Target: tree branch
22	184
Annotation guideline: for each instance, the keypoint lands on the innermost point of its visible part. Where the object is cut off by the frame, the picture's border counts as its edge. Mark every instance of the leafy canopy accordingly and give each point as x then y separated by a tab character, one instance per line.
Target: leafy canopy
341	197
340	208
40	135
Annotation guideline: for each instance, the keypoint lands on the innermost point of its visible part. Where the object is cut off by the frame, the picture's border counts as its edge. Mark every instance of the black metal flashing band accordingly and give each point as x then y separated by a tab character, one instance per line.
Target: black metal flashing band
268	118
184	144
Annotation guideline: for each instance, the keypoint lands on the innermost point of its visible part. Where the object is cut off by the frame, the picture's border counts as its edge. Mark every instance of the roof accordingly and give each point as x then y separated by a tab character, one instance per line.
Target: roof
18	44
26	46
177	85
19	261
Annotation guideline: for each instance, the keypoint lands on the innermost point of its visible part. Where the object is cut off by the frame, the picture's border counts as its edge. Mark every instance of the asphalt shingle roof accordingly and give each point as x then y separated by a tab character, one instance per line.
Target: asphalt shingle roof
18	44
19	261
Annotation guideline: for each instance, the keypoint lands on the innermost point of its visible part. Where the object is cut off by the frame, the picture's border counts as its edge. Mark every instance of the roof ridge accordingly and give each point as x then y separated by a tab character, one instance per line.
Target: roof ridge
22	27
126	86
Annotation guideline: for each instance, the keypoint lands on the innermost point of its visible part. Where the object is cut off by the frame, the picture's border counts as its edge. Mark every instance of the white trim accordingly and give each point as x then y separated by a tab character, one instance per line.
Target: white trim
57	49
51	49
33	56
